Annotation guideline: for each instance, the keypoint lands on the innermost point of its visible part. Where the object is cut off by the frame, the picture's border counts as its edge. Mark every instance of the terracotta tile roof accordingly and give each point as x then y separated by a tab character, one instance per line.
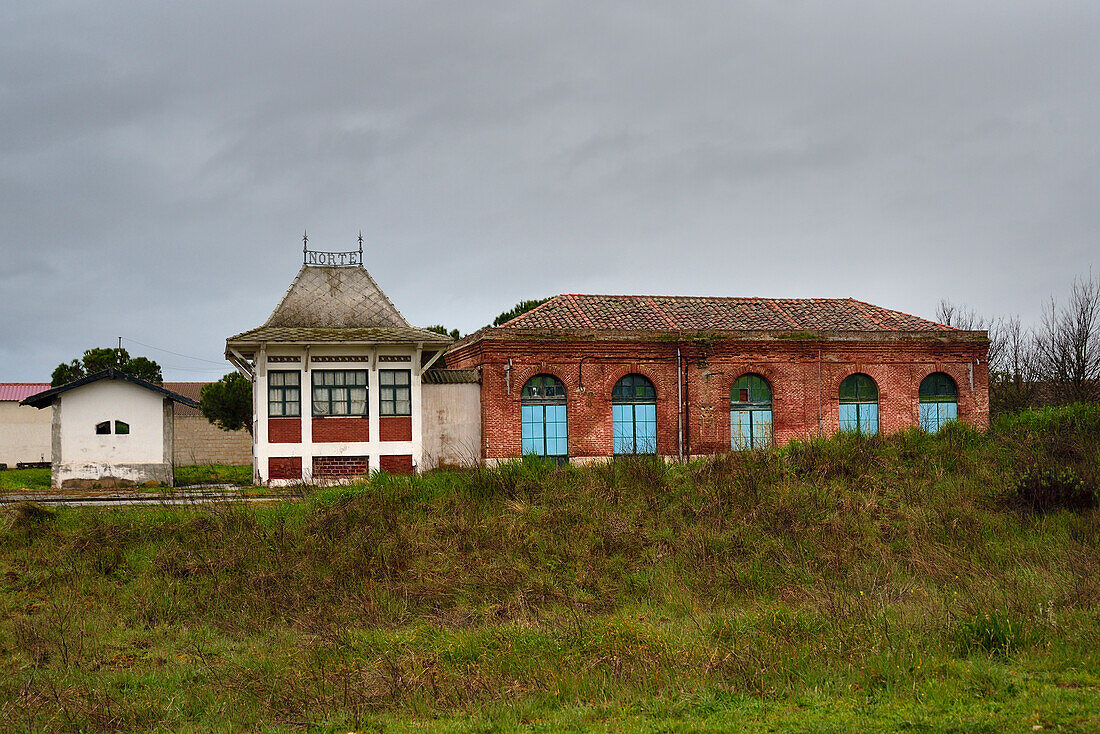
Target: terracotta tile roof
692	313
20	390
191	390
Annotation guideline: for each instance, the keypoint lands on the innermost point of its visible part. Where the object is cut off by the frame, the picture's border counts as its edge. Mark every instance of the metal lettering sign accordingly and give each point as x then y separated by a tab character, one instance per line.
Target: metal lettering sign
354	258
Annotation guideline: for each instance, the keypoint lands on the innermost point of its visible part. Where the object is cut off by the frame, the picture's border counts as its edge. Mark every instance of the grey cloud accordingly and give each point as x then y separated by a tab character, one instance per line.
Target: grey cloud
158	162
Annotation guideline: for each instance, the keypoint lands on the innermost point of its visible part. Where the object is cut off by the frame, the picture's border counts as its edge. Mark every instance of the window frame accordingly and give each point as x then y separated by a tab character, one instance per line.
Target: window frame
282	390
387	394
344	385
946	403
862	404
535	398
633	390
753	408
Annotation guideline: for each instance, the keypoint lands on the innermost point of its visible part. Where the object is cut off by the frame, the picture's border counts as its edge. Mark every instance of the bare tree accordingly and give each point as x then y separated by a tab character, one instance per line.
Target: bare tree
1067	344
1013	373
1013	376
961	317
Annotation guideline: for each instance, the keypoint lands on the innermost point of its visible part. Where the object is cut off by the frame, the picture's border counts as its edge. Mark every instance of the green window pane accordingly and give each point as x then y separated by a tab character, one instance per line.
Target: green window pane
858	388
544	388
751	390
634	388
938	387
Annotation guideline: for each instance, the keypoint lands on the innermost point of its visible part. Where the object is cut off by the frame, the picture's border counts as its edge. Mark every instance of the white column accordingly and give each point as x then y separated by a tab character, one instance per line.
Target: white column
373	408
259	418
417	418
306	411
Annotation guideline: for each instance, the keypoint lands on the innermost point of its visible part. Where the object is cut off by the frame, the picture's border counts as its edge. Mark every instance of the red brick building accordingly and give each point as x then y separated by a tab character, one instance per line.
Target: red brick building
590	376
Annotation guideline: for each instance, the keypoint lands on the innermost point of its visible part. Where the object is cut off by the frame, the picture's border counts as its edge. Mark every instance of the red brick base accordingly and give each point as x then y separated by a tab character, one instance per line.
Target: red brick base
397	464
340	466
284	467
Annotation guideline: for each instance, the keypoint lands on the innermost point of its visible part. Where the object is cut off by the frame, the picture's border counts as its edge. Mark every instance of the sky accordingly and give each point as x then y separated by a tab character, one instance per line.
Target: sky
159	162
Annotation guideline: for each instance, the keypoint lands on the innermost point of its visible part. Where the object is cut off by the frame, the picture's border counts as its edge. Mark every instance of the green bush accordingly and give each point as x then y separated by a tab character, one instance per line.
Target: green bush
992	633
1045	489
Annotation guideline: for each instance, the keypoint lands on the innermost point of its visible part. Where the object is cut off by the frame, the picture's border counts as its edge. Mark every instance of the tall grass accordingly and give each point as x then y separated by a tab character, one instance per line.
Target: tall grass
894	574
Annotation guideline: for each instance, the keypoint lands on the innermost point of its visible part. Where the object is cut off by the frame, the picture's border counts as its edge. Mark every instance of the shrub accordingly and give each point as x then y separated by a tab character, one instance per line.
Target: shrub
1044	489
992	634
30	518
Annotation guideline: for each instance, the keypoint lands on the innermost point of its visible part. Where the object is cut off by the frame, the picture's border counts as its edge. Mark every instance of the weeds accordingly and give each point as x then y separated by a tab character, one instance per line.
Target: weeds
851	569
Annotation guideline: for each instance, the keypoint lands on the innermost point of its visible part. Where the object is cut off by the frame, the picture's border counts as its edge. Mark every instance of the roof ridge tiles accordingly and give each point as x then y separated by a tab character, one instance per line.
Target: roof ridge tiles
867	313
607	312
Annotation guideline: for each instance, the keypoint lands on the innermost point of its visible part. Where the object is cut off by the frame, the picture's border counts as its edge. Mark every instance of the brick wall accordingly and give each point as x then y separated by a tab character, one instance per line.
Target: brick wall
336	466
196	440
284	430
288	467
397	464
395	428
340	430
798	376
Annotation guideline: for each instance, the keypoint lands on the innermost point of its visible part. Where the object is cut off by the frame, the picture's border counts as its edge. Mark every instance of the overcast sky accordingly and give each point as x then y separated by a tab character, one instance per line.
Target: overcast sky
159	161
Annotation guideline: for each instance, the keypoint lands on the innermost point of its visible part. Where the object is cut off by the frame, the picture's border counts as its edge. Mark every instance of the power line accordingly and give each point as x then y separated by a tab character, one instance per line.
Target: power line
193	369
178	354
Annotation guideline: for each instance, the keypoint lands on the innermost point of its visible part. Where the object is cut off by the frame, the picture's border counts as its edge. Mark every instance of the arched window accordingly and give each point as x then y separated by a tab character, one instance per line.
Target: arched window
750	413
543	429
634	416
859	404
939	401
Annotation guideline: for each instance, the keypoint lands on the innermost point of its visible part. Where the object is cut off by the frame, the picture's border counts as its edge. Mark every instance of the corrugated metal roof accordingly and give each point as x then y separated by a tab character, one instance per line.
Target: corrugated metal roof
691	313
20	390
450	377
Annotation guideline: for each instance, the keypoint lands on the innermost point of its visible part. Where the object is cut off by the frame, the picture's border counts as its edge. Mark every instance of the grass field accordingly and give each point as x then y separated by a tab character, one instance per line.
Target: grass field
912	583
16	479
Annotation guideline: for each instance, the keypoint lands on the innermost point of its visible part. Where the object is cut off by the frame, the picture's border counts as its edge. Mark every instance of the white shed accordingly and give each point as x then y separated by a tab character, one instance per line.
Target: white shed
110	429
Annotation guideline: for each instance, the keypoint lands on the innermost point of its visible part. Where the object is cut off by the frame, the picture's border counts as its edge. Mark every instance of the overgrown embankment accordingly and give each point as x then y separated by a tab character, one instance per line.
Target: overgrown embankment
946	582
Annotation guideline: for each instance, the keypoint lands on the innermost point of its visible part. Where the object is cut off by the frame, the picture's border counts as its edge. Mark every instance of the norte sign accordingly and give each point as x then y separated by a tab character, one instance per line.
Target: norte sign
314	257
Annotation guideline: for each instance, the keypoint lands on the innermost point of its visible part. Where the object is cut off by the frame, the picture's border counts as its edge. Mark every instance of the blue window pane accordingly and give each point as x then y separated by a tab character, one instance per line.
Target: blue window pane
933	416
634	428
761	429
868	418
645	429
543	430
622	428
849	417
750	429
740	429
929	417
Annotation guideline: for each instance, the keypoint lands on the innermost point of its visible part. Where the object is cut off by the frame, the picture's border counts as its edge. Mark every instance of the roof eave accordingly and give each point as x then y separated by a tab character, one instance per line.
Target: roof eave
46	398
885	335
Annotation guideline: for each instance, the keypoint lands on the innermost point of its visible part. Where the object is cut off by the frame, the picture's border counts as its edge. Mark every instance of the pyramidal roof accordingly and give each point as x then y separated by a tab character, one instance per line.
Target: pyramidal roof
336	298
336	304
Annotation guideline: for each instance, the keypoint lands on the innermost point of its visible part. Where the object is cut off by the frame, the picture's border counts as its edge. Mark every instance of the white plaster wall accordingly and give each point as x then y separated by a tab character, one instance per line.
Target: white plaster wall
452	425
307	449
24	433
84	407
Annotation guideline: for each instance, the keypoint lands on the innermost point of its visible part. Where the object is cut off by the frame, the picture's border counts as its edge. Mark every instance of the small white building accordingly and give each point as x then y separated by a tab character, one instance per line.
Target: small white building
110	429
24	431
